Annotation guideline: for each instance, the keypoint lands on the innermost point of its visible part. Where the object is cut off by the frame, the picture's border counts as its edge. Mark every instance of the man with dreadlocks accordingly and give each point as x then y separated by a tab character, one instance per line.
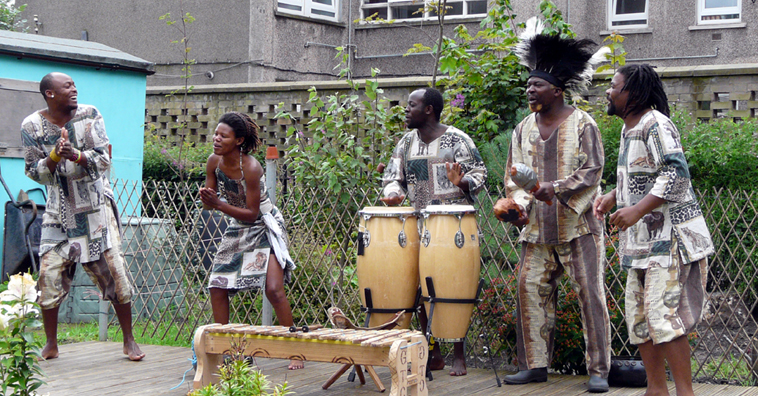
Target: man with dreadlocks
562	145
663	240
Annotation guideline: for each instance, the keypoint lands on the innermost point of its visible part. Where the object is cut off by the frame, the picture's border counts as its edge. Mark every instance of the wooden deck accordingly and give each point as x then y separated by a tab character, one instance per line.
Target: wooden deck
100	368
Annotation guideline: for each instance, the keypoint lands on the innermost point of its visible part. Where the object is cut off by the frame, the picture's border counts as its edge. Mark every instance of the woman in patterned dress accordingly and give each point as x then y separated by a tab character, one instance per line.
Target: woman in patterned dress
253	251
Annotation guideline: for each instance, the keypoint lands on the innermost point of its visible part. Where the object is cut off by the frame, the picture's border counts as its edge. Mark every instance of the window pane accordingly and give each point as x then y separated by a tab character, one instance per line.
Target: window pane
625	23
325	13
477	7
406	12
720	3
630	6
380	13
290	7
452	9
374	1
327	2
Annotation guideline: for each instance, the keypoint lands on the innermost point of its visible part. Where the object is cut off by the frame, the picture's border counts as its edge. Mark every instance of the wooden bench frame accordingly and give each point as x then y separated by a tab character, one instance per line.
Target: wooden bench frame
404	352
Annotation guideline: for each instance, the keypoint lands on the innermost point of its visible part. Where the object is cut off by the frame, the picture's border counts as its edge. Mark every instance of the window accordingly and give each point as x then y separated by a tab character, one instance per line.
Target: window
414	9
627	14
719	11
318	9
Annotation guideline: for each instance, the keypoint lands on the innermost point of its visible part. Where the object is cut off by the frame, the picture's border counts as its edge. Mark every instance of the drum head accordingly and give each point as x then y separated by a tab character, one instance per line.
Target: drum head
448	209
387	211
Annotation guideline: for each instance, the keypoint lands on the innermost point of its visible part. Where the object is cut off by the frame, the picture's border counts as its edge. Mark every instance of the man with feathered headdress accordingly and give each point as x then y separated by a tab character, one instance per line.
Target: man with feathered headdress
562	145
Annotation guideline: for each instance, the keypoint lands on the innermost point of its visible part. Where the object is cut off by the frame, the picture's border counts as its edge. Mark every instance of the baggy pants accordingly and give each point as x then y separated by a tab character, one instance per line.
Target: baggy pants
541	267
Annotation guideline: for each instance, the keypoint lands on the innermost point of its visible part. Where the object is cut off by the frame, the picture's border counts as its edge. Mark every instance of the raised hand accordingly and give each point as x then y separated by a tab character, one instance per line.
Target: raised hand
454	172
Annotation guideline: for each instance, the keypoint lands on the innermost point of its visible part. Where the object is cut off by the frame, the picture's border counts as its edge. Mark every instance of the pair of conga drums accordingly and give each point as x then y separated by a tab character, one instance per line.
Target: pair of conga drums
399	245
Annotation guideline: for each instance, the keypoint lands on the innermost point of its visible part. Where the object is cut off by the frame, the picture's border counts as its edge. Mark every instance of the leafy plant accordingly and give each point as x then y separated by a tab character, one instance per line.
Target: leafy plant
182	25
19	349
10	16
237	378
338	153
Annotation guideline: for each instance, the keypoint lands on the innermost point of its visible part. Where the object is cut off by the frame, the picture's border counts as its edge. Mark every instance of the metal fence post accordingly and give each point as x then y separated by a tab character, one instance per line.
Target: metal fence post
103	308
272	155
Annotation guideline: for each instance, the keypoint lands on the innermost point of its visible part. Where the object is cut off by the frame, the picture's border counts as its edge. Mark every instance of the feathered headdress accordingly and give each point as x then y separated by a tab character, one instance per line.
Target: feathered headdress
566	63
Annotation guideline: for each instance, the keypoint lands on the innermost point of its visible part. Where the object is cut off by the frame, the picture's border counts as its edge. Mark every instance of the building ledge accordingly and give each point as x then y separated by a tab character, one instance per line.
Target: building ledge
307	19
737	69
626	32
719	26
293	85
416	23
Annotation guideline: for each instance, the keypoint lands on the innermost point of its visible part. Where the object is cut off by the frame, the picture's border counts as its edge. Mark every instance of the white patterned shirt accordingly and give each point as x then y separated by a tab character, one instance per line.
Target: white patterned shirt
651	161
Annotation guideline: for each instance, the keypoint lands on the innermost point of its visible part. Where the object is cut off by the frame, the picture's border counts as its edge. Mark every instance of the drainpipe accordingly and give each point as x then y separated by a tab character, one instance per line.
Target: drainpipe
272	155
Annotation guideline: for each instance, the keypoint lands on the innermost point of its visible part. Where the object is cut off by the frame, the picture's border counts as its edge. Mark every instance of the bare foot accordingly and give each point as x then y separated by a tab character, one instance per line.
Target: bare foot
50	351
132	350
459	368
296	364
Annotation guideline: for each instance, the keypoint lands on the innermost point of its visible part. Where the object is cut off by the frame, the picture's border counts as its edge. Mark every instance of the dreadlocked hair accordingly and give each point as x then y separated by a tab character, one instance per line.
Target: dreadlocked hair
244	127
645	89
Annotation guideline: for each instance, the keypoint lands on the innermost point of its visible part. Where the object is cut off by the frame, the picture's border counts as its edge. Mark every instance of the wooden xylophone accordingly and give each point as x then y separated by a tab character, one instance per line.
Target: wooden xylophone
405	352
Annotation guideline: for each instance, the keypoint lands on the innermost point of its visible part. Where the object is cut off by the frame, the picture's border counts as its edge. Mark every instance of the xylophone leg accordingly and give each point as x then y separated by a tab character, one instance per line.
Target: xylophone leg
419	356
207	364
359	371
375	377
398	365
336	376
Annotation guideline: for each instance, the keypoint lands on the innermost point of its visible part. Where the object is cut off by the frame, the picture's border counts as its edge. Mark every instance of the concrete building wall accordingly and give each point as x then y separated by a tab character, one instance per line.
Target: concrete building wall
251	42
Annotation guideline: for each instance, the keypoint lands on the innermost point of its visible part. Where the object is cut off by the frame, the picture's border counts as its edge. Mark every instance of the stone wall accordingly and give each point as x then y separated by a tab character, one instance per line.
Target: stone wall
705	91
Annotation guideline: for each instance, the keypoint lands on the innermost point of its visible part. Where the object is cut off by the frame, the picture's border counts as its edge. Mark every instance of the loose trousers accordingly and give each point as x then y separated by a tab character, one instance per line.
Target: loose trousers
541	267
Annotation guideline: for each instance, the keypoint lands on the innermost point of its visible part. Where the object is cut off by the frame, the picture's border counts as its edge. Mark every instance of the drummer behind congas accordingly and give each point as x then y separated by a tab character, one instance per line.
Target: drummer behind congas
433	164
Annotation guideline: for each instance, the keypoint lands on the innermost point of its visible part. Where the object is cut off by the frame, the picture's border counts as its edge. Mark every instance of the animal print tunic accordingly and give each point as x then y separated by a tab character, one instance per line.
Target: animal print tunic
651	161
243	254
419	169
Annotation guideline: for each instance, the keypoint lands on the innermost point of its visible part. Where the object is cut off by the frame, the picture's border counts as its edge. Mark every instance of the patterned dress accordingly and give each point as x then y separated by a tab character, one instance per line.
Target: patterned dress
243	254
419	169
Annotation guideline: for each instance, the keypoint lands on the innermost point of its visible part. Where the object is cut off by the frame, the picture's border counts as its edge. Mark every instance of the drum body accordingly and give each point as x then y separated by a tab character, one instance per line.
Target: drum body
449	254
389	263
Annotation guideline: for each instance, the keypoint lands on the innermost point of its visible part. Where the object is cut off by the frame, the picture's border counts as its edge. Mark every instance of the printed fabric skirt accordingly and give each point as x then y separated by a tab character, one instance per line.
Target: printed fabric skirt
242	258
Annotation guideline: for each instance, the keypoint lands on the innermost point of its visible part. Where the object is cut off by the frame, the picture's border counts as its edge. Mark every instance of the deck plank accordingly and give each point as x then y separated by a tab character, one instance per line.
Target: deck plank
100	368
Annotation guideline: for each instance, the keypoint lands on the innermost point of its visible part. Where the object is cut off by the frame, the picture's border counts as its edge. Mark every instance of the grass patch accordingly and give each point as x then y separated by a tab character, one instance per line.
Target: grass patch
144	333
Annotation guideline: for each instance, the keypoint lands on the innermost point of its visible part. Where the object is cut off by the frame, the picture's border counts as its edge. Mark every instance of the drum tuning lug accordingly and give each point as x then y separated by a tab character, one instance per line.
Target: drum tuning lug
366	238
402	240
459	239
426	238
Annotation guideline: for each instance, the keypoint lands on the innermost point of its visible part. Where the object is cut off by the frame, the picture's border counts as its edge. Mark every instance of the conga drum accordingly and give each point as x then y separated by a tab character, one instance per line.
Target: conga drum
449	254
388	260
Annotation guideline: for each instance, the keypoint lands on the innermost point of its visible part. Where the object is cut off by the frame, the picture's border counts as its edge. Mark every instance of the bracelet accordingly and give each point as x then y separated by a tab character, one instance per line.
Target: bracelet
79	156
54	156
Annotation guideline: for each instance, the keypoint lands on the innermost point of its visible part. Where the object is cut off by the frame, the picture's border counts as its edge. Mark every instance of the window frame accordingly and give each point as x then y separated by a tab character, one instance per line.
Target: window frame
613	17
308	6
370	8
703	12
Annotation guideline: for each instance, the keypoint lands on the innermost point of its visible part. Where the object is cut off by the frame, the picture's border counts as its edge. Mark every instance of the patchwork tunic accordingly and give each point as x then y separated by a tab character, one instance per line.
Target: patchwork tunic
242	258
666	251
417	169
562	237
80	223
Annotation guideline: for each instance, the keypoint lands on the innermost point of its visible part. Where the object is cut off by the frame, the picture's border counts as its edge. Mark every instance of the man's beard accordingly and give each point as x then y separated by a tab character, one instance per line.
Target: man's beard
612	110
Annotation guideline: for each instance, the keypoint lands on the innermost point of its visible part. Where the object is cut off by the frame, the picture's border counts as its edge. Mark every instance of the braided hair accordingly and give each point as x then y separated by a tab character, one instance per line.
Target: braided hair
645	89
243	127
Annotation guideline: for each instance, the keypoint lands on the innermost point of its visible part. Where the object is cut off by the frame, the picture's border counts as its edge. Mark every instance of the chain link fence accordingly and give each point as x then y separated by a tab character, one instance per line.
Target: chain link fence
170	243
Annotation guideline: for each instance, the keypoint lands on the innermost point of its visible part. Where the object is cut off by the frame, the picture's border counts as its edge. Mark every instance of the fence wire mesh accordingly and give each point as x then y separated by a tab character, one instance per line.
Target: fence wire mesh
170	243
